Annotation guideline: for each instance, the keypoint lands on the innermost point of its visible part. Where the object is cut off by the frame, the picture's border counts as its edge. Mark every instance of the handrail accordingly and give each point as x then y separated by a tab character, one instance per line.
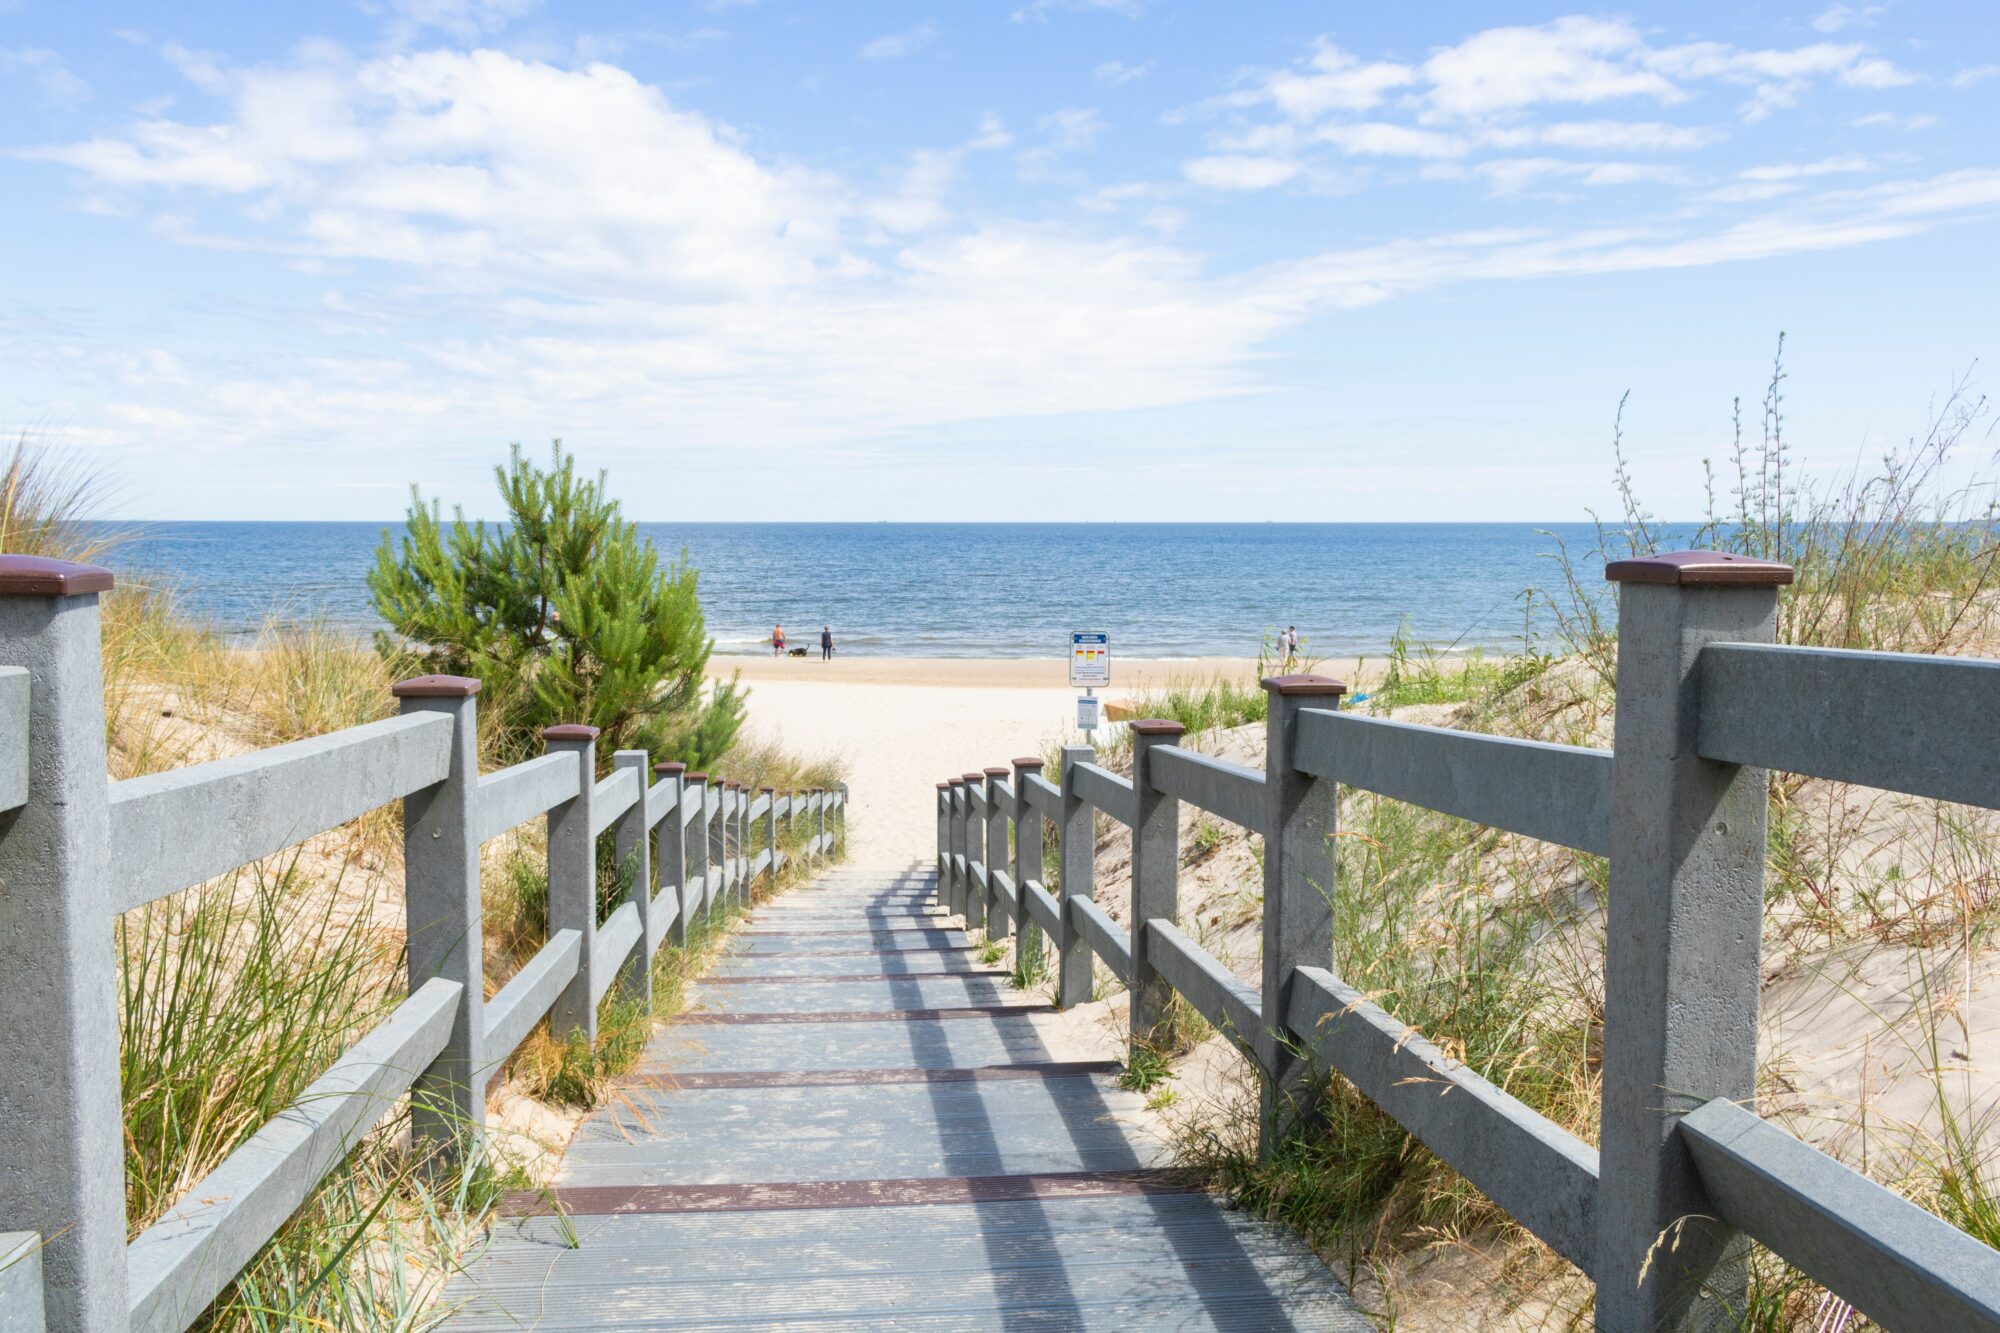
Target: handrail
524	1001
77	849
1102	934
613	797
1217	994
186	825
616	939
522	792
1042	795
182	1262
1893	721
1543	1176
1677	807
1230	790
1107	792
1557	793
1891	1260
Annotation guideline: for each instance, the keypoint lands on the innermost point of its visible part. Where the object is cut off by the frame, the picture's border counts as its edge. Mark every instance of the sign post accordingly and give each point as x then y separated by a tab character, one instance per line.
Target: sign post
1089	669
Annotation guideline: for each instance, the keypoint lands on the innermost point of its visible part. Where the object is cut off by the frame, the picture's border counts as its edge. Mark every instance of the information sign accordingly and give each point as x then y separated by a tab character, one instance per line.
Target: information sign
1089	659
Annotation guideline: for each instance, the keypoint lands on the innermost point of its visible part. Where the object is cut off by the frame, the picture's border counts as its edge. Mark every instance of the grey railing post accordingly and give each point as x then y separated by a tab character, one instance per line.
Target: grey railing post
1301	813
573	879
822	800
942	893
840	807
1684	916
694	789
632	852
670	849
771	835
1077	851
62	1142
739	839
1156	873
975	854
1027	858
997	859
442	917
960	872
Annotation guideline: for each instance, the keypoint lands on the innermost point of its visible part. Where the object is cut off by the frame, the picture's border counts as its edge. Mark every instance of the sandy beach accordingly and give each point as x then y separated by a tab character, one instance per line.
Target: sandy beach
903	724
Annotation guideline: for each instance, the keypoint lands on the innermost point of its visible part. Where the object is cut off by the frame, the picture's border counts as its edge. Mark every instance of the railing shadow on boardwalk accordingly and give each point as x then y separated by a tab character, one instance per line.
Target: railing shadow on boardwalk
1658	1214
77	850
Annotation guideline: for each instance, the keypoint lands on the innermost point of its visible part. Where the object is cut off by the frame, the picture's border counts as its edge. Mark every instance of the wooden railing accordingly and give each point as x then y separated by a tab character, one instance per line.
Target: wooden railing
1685	1168
76	850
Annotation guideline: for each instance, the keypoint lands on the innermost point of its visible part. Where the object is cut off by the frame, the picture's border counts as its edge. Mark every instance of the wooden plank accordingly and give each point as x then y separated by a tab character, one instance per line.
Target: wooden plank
1219	995
1904	1268
1045	910
1557	793
523	1002
613	797
1541	1175
517	794
182	1262
1230	790
1895	721
1105	791
1043	795
1103	936
186	825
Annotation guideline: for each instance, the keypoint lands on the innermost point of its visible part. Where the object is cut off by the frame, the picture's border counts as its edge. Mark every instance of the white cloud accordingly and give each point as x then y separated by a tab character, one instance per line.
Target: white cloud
1890	120
52	80
1381	139
503	243
1965	78
1573	59
896	45
1116	73
1787	171
1234	171
1836	18
1327	80
467	20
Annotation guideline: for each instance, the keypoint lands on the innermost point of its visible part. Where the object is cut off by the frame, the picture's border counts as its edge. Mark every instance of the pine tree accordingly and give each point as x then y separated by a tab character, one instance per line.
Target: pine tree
563	612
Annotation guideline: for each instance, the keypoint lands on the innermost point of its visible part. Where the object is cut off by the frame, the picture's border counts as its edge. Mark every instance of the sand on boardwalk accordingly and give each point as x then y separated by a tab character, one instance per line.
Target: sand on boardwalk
901	725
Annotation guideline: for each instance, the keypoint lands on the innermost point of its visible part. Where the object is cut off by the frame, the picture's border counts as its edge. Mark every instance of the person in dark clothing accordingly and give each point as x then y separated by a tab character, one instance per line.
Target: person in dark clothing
826	643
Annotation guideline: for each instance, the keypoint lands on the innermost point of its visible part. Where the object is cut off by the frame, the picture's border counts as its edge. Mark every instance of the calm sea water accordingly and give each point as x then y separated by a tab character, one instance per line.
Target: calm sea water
969	590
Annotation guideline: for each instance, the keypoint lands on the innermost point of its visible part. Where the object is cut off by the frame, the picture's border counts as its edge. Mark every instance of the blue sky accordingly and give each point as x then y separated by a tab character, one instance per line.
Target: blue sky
1047	259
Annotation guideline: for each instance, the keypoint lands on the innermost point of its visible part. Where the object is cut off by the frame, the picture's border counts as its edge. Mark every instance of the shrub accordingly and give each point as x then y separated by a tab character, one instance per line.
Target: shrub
563	611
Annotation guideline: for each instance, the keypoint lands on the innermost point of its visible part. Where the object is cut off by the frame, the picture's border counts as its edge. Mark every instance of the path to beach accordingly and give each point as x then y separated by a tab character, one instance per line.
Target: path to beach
903	724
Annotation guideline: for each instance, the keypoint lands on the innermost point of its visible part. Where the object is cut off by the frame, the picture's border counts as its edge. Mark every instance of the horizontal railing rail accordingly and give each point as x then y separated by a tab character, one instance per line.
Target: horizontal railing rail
78	850
1557	793
181	827
1652	1212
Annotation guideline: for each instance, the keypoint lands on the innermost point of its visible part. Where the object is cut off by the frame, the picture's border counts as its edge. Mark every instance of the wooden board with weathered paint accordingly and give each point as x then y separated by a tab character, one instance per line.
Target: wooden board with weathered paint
919	1161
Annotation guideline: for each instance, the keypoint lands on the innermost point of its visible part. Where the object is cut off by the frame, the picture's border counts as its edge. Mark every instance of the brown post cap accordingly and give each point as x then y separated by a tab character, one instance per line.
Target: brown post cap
955	782
569	731
1157	726
998	772
1700	569
1304	685
435	687
975	777
39	576
767	789
697	777
669	767
1027	763
944	786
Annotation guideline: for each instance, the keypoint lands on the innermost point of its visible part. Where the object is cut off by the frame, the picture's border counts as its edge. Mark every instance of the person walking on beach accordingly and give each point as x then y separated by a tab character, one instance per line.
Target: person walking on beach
826	643
777	640
1289	641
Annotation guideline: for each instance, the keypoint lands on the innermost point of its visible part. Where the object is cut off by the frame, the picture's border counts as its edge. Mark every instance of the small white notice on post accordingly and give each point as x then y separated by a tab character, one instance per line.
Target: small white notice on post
1089	659
1086	713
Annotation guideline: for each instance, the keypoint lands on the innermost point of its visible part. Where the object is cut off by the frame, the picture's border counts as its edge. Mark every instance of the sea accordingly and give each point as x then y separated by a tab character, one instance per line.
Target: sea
969	590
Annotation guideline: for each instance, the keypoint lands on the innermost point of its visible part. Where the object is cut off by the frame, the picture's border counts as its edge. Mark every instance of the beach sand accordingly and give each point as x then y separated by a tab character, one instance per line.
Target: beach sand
901	725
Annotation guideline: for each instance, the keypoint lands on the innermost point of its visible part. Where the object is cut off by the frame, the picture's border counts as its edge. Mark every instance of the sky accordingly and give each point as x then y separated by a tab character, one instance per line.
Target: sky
1034	260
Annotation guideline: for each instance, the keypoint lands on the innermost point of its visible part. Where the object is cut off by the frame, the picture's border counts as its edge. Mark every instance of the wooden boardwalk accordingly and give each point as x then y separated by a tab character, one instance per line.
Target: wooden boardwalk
859	1127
